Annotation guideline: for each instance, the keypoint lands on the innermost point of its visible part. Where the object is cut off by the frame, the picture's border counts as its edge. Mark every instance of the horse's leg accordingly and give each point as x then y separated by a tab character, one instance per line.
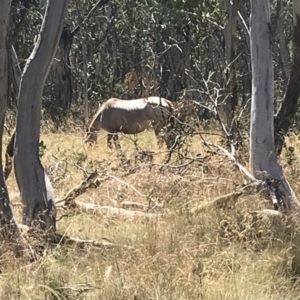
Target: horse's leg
109	137
116	141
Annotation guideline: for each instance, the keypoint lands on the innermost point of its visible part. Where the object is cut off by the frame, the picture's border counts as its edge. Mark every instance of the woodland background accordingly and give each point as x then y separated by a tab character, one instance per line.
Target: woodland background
148	47
187	228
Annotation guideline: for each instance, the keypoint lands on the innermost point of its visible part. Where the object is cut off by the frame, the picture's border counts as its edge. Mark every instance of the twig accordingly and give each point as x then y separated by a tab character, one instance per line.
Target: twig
233	159
192	160
81	188
171	150
130	186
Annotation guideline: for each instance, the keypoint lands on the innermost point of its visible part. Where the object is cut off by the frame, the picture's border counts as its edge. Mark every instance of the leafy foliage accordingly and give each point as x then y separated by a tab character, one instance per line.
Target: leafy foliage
150	47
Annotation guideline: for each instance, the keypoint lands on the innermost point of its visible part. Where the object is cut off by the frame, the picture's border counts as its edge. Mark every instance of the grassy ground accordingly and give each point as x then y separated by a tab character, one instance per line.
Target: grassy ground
184	253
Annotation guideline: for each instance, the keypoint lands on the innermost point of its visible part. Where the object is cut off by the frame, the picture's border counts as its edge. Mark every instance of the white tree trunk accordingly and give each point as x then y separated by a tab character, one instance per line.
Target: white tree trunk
8	226
35	187
263	158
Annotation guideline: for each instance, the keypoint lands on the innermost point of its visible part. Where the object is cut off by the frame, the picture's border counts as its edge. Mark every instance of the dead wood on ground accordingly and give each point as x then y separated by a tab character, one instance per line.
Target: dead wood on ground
110	211
271	185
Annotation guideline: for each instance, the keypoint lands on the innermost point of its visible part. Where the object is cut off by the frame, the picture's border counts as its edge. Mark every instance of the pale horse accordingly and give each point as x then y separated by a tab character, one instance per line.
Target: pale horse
130	117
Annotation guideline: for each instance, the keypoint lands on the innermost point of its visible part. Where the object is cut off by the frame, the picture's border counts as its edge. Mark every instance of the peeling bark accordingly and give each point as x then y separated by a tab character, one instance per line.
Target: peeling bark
35	187
263	158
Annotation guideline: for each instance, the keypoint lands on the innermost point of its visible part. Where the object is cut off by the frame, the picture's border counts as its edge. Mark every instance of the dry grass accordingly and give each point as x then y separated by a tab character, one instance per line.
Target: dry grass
215	253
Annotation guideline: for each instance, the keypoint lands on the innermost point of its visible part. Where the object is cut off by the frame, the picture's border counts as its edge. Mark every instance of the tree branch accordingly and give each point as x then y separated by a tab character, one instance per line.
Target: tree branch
100	3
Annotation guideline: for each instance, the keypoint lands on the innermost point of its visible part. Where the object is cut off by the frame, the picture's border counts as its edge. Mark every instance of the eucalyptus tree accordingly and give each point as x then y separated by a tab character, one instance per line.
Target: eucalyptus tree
263	159
8	226
35	187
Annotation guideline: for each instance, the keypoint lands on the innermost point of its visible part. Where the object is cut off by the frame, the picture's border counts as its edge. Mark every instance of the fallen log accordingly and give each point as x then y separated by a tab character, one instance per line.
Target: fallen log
110	211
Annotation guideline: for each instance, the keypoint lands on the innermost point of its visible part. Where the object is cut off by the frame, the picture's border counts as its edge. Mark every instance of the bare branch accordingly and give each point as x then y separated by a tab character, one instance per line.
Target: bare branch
100	3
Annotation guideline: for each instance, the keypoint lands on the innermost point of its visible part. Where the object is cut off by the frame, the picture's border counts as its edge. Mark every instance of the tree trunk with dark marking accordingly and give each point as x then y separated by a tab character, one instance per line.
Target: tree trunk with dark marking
263	158
35	187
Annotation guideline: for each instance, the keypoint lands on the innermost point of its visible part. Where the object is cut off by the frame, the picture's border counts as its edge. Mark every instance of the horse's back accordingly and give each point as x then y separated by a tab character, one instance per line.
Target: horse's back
131	116
127	105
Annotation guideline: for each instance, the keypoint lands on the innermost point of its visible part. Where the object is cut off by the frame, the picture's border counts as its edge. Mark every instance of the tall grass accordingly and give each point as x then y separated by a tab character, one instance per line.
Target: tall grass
184	253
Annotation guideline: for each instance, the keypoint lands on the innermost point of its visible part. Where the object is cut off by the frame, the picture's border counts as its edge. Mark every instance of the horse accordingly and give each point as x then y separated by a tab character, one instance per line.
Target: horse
130	117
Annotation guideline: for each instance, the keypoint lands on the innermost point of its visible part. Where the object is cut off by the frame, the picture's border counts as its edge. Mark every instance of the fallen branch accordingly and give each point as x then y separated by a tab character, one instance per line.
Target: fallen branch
141	206
89	182
110	211
226	201
42	238
272	184
131	204
233	159
58	238
220	202
267	213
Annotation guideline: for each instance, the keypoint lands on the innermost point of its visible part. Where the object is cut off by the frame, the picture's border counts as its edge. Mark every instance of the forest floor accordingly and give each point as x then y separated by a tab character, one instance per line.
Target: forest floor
182	246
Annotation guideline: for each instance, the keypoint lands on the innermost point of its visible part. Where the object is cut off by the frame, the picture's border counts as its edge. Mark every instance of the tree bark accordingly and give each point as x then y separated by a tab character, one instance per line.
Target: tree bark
35	187
60	73
190	81
17	75
230	54
8	226
284	54
114	50
289	105
263	158
84	62
16	67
